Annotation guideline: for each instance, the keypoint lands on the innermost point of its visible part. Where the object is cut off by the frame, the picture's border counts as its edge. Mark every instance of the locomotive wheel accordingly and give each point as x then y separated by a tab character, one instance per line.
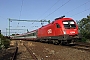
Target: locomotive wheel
63	42
55	42
41	41
46	41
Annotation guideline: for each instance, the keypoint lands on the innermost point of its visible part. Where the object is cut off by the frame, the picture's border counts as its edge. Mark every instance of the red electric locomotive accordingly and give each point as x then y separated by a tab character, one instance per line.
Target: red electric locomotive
61	30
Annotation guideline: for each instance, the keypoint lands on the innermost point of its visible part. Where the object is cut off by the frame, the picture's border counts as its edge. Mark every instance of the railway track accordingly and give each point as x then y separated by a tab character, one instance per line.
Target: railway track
23	52
31	53
29	50
15	52
81	46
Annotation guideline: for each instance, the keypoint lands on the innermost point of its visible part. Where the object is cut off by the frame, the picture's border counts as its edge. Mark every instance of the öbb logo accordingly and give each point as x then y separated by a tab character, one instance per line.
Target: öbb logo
49	31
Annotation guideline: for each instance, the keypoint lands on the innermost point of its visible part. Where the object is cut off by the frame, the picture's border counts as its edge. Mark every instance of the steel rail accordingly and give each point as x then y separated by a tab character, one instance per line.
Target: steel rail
31	53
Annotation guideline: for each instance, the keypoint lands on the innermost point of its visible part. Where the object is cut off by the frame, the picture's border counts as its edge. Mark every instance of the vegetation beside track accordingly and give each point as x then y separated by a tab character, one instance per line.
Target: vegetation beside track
4	42
84	28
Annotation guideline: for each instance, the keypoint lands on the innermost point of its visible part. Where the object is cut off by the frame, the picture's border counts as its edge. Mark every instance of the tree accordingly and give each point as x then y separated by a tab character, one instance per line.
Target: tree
84	27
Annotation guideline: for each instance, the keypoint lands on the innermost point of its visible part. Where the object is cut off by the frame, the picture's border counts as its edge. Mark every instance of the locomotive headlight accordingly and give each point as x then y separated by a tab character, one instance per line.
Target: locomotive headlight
64	32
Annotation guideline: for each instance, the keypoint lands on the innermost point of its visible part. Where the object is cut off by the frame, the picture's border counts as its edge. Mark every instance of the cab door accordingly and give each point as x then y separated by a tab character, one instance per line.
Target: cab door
58	30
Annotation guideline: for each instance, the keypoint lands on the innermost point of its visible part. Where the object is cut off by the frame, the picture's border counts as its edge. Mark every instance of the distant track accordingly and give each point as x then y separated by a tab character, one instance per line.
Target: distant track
82	46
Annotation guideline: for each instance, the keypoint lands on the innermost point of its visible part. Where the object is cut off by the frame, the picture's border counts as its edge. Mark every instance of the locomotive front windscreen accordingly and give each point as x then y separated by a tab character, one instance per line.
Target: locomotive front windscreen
69	24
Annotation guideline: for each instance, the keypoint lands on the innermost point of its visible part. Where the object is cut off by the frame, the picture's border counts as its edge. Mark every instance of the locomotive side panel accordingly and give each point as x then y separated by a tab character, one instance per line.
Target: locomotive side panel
46	31
58	28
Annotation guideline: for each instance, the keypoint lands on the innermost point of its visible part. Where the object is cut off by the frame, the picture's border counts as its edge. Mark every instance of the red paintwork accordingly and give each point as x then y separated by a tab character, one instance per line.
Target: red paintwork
52	30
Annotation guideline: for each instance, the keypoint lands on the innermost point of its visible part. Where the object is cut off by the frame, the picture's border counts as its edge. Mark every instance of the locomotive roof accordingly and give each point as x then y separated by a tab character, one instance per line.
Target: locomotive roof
60	17
56	20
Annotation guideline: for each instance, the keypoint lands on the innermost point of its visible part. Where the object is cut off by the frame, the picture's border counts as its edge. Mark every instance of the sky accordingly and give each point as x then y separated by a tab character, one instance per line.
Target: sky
38	10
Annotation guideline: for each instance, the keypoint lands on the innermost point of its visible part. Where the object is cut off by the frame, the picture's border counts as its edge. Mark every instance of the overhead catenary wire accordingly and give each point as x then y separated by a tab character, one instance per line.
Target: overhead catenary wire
20	12
21	9
58	8
77	7
80	12
49	8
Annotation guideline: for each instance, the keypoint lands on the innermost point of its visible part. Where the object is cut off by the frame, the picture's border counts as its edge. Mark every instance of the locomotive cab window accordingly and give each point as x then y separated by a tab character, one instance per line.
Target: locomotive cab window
57	25
69	24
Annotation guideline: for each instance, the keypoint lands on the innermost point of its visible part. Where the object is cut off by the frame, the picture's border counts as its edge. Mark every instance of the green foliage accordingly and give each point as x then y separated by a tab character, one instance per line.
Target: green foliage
1	36
4	42
13	34
48	21
84	27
